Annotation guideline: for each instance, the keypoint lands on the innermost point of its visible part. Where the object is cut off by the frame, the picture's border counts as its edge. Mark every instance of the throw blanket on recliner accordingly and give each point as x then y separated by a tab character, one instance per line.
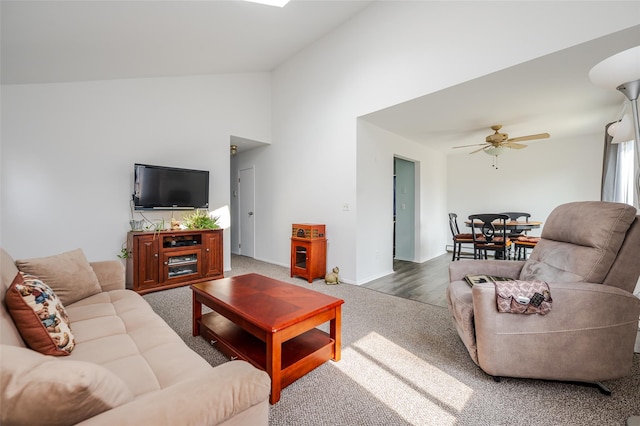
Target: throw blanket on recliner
523	297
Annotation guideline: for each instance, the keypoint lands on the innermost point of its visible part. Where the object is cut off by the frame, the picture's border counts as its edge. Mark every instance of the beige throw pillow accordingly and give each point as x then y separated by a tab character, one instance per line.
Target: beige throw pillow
38	389
69	274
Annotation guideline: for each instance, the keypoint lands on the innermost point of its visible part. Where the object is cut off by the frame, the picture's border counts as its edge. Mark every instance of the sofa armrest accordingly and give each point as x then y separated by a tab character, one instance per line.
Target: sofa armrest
498	268
110	274
212	398
588	335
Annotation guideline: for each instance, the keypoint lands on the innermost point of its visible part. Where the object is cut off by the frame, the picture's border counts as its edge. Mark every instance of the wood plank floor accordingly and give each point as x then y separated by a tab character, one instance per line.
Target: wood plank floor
425	282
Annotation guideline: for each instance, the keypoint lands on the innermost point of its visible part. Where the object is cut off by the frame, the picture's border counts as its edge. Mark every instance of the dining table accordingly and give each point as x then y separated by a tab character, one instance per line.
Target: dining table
511	225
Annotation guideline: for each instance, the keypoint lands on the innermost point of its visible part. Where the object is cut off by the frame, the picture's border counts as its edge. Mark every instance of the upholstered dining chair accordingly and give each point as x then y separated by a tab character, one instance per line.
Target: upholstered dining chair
459	239
492	237
588	256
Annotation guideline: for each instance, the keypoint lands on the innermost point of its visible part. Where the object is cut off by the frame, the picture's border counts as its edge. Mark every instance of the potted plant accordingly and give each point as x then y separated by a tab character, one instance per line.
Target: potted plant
200	219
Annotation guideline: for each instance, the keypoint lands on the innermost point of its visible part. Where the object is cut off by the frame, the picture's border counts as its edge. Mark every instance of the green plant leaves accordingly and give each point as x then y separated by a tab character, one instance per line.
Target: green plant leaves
200	219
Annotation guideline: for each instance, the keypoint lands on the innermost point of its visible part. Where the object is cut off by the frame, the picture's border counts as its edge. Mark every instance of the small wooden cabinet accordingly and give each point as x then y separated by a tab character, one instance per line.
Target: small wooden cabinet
308	251
213	262
145	253
167	259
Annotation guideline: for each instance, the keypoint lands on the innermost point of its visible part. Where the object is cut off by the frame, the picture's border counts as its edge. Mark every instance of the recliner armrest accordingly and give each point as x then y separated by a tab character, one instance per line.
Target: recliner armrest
588	335
575	305
498	268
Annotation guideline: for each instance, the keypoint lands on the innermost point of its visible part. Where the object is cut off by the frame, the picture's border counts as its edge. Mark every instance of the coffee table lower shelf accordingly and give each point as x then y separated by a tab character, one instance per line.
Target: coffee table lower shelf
300	354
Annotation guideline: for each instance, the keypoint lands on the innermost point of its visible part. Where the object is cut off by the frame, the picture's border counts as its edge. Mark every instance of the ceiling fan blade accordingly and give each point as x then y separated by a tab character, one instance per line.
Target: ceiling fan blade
514	145
481	149
467	146
530	137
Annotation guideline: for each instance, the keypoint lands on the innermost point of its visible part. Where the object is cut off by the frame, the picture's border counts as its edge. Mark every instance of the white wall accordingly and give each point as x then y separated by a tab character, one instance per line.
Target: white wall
376	150
544	175
68	152
393	52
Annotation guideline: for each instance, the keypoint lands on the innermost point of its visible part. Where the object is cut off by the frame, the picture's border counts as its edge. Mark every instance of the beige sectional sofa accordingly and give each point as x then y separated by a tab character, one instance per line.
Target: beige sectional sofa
127	366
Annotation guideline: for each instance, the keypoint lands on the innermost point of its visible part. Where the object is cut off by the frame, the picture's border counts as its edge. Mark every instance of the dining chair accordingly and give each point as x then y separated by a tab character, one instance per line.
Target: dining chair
458	238
493	235
514	233
523	243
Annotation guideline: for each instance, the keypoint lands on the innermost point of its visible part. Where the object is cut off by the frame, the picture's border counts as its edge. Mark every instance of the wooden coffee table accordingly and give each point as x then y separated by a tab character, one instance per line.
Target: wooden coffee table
270	324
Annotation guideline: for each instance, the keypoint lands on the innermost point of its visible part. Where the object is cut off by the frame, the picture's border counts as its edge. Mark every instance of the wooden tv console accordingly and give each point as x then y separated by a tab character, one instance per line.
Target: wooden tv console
167	259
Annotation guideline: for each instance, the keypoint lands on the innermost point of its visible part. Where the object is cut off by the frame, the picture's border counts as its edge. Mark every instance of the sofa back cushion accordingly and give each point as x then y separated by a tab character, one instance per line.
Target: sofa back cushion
69	274
8	271
580	242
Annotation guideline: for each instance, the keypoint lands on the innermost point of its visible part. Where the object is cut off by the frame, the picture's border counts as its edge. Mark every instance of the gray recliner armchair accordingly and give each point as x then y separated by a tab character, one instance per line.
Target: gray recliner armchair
589	255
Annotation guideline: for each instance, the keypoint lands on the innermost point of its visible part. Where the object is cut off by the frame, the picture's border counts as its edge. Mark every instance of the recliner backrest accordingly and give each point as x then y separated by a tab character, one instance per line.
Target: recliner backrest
579	242
626	269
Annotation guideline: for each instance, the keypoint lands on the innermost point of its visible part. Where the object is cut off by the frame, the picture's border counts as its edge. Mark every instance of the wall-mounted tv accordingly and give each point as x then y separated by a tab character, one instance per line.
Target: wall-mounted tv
169	188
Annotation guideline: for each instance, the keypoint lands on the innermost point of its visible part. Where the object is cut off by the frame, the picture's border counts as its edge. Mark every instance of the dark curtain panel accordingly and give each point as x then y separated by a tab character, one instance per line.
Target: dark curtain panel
609	167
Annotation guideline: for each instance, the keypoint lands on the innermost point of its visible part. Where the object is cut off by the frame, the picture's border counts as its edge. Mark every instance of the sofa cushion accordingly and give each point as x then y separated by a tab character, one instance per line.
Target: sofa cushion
38	389
580	242
120	331
69	274
39	316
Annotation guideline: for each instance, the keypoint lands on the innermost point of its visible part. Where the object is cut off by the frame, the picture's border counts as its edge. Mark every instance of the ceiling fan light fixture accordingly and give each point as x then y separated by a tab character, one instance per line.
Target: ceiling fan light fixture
495	150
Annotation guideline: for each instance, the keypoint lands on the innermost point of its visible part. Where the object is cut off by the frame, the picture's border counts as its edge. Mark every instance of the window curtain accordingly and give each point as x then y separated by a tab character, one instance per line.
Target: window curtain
617	170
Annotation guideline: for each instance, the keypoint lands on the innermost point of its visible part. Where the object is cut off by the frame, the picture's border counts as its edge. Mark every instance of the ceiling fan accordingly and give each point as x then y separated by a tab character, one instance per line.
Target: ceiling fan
497	142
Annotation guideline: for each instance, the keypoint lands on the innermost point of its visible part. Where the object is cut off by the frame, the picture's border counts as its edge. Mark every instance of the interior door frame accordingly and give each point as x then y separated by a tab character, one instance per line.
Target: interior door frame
405	189
246	220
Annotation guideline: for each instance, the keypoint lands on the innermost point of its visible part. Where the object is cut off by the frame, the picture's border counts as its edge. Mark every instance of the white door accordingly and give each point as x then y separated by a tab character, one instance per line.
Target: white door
246	190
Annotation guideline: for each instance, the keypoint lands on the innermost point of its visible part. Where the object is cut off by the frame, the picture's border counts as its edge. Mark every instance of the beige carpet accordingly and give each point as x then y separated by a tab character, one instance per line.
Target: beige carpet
403	364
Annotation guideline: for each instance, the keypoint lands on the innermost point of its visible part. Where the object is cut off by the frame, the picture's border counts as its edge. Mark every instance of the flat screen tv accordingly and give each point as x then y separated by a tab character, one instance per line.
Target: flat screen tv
169	188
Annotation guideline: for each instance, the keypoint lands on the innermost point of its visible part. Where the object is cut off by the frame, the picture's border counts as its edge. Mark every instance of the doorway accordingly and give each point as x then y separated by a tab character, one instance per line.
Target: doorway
404	209
246	209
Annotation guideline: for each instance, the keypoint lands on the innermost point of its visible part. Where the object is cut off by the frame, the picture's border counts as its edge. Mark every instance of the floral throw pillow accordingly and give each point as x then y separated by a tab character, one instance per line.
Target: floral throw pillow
39	316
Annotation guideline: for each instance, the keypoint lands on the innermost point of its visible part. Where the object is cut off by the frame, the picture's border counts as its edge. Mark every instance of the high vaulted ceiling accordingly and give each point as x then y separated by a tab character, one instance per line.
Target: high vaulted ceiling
63	41
60	41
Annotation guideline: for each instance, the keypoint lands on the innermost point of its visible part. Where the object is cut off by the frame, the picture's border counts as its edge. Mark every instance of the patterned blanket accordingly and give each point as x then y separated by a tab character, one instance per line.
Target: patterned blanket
523	297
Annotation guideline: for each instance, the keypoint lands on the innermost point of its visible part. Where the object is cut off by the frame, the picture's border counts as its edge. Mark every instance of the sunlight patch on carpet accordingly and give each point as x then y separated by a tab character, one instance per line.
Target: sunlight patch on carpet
418	391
